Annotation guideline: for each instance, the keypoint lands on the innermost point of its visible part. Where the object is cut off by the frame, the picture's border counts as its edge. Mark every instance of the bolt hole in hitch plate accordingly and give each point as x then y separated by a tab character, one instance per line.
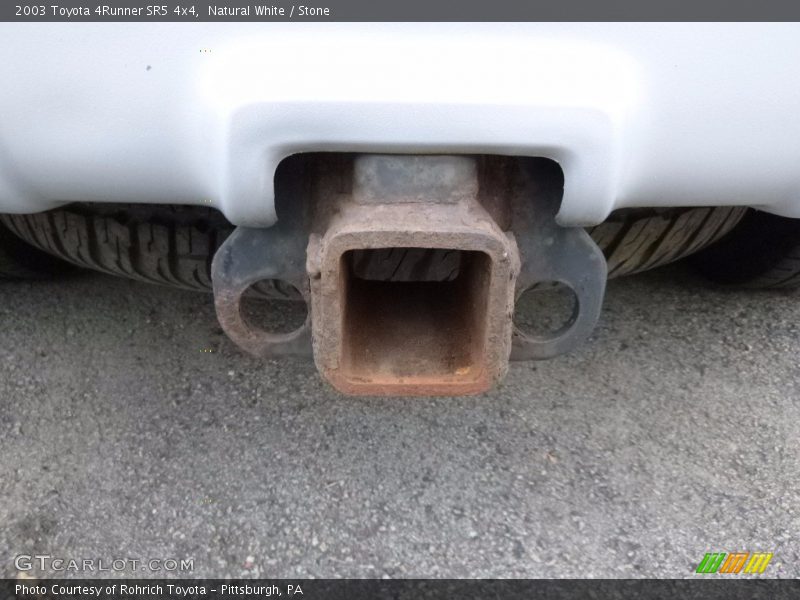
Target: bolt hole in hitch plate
411	267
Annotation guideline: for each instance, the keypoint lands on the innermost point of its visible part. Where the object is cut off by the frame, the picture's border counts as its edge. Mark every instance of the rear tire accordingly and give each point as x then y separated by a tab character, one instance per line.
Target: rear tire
164	244
174	245
635	240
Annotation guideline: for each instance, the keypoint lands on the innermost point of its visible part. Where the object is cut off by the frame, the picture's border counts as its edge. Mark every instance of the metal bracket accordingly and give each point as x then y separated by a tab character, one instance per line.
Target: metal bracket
551	253
250	255
515	196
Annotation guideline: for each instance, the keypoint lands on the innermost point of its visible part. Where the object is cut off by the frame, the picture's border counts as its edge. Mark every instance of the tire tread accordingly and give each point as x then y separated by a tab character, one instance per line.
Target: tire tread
175	245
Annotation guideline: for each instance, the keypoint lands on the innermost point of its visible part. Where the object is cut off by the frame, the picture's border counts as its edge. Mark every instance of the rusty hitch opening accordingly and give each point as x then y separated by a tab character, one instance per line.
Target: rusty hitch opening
425	334
410	267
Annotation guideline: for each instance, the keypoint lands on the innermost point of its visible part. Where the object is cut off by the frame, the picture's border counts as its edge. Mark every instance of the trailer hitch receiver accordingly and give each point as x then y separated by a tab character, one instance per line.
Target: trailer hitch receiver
410	267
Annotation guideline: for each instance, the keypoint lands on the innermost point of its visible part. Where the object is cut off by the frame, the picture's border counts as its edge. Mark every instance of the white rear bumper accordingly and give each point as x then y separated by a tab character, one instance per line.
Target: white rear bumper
637	114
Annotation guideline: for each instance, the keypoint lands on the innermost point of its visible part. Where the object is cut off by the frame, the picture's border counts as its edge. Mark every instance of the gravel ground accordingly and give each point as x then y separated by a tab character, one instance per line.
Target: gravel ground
131	427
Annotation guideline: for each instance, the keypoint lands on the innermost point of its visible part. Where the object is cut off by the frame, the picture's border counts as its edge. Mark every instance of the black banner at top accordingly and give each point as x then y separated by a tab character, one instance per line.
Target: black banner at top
396	10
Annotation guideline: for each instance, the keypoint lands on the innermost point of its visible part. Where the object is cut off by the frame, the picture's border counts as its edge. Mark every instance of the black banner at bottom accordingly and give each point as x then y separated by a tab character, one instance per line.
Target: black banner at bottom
397	589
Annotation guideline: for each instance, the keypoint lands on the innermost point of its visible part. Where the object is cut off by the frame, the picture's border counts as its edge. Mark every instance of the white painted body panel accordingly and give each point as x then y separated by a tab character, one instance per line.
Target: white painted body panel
637	114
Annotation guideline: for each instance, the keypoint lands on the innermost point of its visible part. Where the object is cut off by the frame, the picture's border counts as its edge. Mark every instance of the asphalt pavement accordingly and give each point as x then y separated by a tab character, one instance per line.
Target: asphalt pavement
131	427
